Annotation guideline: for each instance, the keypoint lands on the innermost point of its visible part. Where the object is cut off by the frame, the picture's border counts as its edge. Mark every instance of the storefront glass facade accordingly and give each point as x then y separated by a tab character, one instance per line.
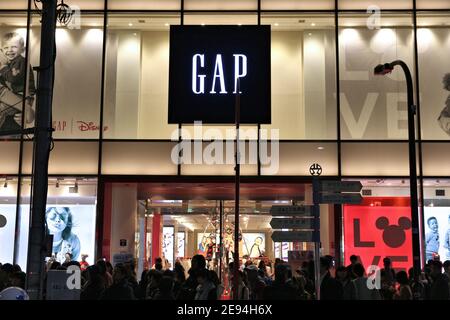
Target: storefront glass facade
111	97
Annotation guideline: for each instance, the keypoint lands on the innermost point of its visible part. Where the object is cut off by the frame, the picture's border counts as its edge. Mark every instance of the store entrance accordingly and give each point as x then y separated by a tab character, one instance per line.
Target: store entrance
175	221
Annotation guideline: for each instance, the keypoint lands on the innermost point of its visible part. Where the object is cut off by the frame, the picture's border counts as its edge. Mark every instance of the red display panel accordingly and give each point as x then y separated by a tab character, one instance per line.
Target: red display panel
376	232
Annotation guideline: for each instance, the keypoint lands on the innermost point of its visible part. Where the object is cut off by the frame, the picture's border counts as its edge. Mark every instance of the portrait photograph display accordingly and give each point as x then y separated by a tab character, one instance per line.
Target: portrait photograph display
437	232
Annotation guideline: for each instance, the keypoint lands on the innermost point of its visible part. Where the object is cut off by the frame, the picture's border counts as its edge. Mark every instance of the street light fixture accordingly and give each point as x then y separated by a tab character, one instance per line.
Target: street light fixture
383	69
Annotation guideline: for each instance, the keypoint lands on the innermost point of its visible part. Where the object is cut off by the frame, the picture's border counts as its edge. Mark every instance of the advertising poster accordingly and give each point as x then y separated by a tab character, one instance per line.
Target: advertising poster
168	244
437	232
373	233
14	73
181	244
7	231
253	244
73	230
206	244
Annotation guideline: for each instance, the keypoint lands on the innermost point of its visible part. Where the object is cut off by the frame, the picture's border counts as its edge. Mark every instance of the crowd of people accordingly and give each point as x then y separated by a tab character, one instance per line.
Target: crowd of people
102	281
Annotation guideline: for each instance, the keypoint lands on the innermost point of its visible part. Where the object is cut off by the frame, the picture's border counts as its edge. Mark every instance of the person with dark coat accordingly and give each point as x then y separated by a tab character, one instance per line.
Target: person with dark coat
188	290
120	289
348	287
94	286
279	289
330	288
439	287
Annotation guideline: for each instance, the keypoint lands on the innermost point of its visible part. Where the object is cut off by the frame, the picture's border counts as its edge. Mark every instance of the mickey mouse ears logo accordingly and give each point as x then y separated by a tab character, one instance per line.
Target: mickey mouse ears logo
393	235
3	221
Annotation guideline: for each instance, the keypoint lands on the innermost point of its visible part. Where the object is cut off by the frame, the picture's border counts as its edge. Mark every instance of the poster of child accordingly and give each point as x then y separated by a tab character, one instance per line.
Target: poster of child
13	70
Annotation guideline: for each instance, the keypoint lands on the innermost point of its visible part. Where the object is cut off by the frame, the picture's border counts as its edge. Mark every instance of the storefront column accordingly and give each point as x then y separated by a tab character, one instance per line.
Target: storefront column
123	226
156	237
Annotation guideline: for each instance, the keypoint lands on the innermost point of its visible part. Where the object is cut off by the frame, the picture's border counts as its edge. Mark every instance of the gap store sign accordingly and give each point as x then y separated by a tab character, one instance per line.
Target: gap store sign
210	64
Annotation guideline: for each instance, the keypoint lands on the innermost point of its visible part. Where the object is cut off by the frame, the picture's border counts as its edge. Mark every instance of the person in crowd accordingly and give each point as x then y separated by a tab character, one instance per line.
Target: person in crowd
179	278
440	286
142	286
165	289
387	289
256	283
243	292
417	285
403	291
353	261
446	266
106	276
206	290
279	290
299	282
188	290
131	277
158	264
84	264
362	291
154	279
94	286
120	289
389	272
348	287
330	288
216	281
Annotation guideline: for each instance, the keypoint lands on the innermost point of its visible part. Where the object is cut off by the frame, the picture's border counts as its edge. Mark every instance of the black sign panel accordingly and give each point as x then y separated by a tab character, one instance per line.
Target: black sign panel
209	63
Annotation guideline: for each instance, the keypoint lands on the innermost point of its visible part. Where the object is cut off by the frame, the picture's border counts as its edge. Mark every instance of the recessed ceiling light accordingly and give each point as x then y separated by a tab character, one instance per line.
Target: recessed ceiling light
276	24
313	24
320	148
166	24
130	24
203	23
310	34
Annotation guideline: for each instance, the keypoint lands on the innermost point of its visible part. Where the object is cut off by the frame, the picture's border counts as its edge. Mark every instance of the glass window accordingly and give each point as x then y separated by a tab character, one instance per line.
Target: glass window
297	158
137	71
8	203
14	4
297	5
86	4
144	5
433	4
433	40
74	158
377	159
9	161
139	158
382	4
78	74
435	159
220	5
373	107
303	75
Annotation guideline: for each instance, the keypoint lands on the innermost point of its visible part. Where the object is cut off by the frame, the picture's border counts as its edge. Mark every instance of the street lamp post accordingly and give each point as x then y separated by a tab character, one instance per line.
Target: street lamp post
383	69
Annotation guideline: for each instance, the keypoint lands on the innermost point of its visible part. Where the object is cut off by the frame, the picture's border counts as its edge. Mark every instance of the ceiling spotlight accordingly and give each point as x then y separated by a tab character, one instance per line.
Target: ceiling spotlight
203	23
166	24
320	148
57	183
6	184
276	24
130	24
313	24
